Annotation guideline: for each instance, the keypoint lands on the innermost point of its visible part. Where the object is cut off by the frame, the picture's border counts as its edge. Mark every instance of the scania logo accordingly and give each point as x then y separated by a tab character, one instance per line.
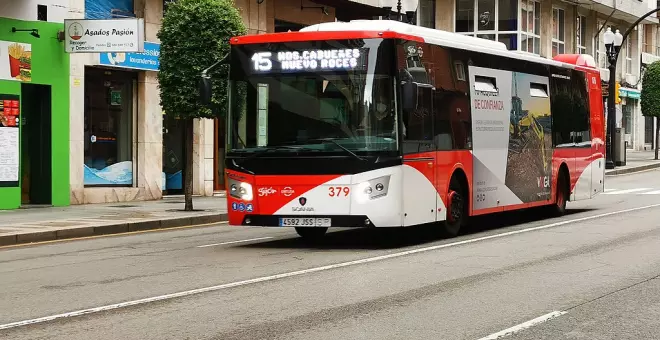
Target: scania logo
302	201
287	191
266	191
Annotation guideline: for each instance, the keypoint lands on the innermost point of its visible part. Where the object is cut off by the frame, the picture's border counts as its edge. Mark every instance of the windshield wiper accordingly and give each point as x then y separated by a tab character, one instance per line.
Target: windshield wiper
333	141
260	152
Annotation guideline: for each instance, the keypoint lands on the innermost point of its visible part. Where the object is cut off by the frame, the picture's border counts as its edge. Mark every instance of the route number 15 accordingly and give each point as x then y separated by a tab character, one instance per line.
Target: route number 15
262	61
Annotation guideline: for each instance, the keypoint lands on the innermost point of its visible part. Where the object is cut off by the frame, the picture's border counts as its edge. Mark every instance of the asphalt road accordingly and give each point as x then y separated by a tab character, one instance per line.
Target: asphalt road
597	268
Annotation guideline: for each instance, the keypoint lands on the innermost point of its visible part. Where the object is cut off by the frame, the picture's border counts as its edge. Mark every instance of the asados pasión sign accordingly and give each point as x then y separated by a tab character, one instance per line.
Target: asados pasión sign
94	36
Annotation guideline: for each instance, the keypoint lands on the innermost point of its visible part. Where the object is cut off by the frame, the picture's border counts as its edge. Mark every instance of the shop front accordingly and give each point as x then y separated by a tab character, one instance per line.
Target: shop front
124	124
629	106
34	115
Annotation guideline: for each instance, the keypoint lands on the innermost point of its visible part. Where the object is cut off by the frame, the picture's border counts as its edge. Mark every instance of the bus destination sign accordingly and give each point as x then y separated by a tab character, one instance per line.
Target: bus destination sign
309	60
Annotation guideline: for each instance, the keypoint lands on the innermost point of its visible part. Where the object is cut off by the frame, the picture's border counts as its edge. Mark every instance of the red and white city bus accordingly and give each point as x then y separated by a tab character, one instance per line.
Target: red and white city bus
378	123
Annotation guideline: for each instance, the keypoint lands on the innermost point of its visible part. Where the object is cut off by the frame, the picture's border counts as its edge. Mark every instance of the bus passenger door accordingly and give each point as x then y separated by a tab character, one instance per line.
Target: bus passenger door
597	125
419	192
581	134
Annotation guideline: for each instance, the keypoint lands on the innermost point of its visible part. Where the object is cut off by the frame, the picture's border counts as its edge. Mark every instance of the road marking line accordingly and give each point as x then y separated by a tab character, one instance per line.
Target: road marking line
626	191
657	192
610	189
524	325
308	271
232	242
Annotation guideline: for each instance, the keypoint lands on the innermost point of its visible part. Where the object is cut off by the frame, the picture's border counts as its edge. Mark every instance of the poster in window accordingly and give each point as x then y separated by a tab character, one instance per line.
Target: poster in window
9	140
15	61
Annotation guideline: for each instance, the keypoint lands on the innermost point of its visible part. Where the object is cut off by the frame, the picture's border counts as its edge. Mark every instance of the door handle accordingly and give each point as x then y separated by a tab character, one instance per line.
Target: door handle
430	164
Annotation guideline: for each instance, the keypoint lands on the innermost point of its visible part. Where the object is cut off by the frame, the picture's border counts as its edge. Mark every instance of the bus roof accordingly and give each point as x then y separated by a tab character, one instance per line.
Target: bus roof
365	29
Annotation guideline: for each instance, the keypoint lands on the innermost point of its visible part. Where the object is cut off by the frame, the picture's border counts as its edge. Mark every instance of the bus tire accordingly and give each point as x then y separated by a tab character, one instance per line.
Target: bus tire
311	233
457	208
562	194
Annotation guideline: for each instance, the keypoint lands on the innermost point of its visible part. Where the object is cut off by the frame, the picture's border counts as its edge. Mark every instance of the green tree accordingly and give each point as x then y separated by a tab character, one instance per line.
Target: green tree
651	98
195	34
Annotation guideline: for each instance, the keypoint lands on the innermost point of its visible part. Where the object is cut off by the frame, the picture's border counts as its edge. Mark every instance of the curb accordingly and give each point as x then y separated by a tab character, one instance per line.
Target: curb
633	170
41	236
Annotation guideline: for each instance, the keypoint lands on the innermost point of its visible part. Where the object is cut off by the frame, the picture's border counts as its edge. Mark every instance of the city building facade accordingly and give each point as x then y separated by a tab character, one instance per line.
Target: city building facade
105	138
34	105
549	27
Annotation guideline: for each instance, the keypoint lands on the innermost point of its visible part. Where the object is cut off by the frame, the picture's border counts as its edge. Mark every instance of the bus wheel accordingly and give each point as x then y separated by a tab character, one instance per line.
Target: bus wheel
456	204
559	208
311	233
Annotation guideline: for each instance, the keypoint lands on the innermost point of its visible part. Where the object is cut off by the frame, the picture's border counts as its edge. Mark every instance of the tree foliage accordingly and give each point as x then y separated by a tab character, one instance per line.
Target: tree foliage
650	98
194	35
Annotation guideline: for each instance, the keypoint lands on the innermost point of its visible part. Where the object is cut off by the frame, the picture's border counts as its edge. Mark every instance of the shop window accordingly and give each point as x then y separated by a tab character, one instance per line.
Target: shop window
173	153
627	118
558	31
108	128
581	42
648	130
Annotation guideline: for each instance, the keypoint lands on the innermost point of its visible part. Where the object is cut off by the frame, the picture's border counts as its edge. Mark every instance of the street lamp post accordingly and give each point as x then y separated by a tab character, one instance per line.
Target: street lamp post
613	44
409	15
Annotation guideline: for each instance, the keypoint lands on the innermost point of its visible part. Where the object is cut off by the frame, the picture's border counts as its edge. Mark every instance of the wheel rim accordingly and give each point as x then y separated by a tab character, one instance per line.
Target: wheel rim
455	206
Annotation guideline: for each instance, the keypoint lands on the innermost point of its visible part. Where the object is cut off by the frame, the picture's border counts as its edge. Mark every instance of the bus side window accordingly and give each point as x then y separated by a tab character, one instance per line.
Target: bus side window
418	124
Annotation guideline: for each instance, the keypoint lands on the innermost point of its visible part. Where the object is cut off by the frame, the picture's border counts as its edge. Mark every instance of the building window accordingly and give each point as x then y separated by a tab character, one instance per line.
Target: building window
108	128
426	13
530	19
581	39
599	45
629	53
558	31
489	19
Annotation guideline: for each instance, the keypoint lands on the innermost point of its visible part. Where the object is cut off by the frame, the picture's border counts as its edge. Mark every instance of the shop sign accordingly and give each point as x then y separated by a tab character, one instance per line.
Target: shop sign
10	107
148	60
15	61
630	93
98	36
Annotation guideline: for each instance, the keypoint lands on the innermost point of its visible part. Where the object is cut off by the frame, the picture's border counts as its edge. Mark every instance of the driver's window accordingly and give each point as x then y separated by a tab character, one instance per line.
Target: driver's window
417	124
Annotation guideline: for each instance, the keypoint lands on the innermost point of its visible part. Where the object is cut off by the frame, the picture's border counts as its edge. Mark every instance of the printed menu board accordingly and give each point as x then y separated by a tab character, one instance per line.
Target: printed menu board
9	140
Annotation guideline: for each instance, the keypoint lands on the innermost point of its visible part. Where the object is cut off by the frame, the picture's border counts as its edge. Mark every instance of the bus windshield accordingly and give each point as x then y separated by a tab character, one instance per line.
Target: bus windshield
313	95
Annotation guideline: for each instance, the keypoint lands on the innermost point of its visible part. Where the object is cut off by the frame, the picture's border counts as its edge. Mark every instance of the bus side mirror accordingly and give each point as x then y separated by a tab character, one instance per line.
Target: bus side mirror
409	94
205	90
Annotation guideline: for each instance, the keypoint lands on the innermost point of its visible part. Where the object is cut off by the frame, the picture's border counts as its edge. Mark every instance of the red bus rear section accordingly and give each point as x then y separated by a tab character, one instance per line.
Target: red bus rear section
475	129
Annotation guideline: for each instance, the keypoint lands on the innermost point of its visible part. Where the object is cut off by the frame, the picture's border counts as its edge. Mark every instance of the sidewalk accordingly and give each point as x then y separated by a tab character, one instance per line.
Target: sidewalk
636	161
49	223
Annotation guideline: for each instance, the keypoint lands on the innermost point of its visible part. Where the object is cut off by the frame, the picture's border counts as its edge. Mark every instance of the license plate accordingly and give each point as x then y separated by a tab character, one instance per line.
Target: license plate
304	222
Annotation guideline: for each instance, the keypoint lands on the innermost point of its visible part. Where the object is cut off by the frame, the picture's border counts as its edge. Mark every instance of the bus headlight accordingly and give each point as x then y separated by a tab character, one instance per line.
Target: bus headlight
372	189
240	190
